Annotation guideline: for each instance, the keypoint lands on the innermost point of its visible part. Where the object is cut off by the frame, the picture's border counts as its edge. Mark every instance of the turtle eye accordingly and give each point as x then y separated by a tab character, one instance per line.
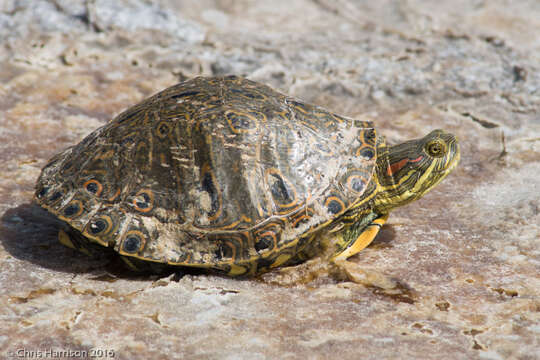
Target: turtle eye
436	148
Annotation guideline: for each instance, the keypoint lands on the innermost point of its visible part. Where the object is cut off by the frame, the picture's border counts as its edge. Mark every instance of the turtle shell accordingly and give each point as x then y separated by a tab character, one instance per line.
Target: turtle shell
218	172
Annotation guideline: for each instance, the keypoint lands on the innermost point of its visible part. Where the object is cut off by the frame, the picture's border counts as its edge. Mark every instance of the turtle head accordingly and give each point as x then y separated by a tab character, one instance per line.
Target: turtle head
407	171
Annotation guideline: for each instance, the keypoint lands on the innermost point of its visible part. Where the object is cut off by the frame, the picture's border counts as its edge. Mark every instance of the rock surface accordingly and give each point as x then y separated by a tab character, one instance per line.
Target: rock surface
466	257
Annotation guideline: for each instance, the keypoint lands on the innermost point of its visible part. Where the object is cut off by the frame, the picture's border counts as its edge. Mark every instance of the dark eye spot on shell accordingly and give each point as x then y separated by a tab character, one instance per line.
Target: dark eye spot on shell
71	209
92	187
280	191
239	122
132	243
142	201
57	195
98	226
162	129
334	206
367	153
209	186
356	183
264	243
42	192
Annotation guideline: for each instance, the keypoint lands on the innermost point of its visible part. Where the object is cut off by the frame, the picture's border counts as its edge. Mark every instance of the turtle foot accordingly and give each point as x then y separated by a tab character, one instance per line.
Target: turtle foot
301	274
344	270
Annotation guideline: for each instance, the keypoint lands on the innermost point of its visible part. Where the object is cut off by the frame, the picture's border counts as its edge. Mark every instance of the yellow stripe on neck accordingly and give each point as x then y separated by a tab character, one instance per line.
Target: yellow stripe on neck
386	200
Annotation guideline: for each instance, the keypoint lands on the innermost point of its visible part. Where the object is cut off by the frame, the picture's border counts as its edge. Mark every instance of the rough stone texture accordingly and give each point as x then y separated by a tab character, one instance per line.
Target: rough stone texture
466	257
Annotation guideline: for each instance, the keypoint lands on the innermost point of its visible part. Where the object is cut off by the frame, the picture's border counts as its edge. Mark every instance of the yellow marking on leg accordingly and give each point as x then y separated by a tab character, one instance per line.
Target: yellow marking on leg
364	239
129	263
65	240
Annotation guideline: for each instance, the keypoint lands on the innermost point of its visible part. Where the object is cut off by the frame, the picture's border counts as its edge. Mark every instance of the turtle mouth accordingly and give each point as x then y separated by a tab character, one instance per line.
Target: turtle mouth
454	160
438	176
451	166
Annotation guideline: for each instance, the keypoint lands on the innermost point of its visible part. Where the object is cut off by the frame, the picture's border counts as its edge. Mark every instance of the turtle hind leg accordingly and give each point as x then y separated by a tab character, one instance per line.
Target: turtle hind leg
356	238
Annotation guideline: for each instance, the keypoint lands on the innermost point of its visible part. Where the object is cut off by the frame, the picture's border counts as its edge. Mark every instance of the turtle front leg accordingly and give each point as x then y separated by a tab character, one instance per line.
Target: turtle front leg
357	237
359	243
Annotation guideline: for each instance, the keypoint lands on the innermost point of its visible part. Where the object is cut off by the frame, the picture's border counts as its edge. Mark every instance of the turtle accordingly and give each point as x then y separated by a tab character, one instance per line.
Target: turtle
229	175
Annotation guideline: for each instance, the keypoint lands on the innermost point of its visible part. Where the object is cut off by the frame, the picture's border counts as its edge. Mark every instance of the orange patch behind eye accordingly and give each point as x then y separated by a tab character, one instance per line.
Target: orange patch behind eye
395	167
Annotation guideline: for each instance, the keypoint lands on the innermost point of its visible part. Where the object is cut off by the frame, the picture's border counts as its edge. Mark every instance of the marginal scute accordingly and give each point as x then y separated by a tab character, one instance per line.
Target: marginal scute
112	218
99	226
73	209
133	242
